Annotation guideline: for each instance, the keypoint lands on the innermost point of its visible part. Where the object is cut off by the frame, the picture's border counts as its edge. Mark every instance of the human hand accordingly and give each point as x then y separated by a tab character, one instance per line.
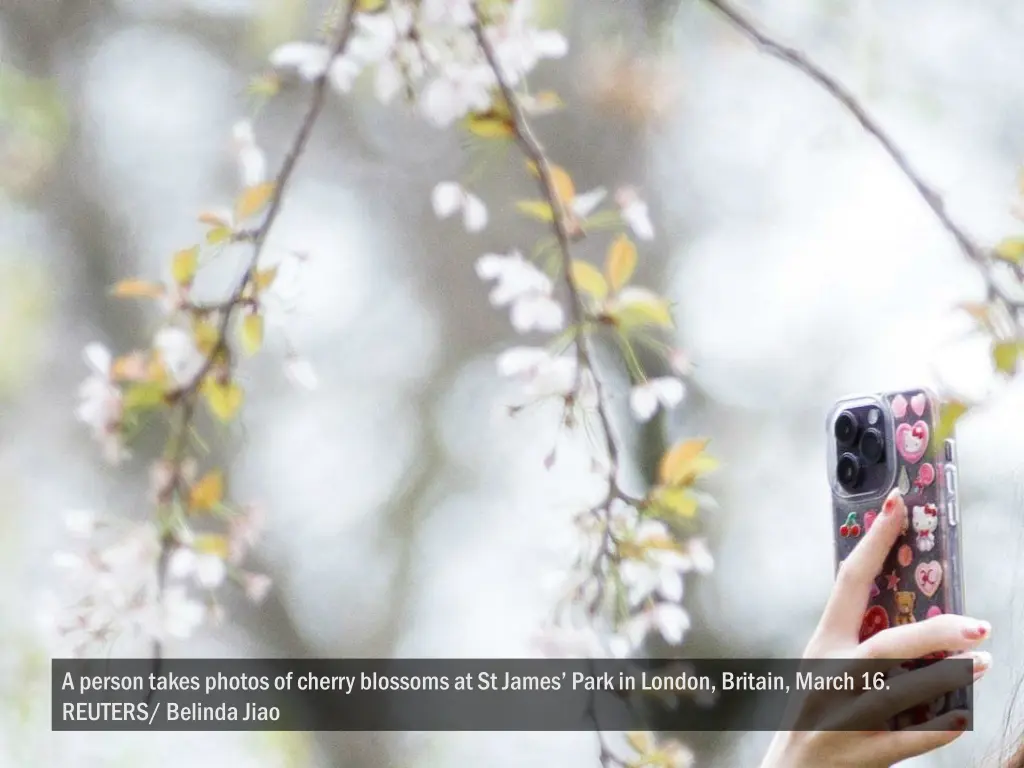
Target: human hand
837	637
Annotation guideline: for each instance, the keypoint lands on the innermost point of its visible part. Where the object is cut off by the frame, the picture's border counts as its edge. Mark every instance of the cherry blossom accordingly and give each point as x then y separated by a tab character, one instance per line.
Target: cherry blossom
252	163
523	287
635	213
179	354
100	405
449	198
645	398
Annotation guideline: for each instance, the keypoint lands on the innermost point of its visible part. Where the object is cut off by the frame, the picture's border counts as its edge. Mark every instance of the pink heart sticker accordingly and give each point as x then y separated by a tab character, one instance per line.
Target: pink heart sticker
933	612
899	406
869	520
917	403
912	441
928	576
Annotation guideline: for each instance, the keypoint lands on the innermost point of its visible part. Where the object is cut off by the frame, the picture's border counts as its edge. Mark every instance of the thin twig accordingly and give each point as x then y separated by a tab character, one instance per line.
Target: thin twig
534	152
186	396
980	256
531	147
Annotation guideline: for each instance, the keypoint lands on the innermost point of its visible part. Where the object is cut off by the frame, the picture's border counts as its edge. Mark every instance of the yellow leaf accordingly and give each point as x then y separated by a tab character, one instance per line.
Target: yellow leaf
218	235
207	492
184	265
677	502
949	414
536	209
491	128
1005	355
213	220
212	544
564	190
143	397
253	200
224	399
647	312
587	279
206	336
676	463
640	741
252	334
265	278
371	6
1011	249
621	262
138	289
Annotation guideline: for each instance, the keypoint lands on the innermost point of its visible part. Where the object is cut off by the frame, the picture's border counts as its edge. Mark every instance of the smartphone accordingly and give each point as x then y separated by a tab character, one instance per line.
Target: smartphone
888	440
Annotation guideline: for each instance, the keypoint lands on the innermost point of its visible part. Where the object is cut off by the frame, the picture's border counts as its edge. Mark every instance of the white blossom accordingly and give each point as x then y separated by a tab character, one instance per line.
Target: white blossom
669	619
544	375
635	213
523	287
252	163
309	60
179	353
645	398
449	198
100	404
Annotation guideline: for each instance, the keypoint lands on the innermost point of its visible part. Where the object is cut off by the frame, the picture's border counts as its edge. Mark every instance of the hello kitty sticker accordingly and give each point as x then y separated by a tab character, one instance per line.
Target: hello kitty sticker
925	520
912	441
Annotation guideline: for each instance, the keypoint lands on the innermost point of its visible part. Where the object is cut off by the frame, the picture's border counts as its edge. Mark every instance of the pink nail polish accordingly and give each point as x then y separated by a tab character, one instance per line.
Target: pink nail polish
978	632
959	723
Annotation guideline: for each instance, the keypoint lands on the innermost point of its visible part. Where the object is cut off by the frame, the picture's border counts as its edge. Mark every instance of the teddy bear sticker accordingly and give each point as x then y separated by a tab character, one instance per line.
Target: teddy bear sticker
925	521
905	608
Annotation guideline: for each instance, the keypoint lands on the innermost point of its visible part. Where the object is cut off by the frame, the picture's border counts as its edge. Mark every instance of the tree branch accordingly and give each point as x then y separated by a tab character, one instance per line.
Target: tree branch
186	397
975	253
564	236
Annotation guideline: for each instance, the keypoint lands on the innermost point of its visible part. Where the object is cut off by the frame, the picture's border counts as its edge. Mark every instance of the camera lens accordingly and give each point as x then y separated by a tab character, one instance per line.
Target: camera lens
872	446
849	471
846	428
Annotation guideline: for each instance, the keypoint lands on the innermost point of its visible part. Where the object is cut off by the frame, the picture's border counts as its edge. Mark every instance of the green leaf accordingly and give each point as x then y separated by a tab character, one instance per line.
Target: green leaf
949	414
144	397
224	399
536	209
641	314
676	502
1011	249
1005	355
184	265
252	334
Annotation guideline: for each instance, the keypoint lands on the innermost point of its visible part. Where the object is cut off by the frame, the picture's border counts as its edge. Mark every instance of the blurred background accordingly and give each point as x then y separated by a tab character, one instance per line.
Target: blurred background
408	515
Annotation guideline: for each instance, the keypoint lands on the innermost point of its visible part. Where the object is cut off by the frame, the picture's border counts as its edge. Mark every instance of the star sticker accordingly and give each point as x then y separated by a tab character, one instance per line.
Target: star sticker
892	581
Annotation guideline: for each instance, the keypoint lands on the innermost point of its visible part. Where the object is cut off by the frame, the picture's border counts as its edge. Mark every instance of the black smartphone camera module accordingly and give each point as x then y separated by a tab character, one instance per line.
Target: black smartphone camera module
846	428
872	446
850	472
861	449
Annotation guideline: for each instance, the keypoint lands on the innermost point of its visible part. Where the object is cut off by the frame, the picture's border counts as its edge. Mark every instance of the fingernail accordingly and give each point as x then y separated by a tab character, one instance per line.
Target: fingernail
978	631
891	502
959	723
982	661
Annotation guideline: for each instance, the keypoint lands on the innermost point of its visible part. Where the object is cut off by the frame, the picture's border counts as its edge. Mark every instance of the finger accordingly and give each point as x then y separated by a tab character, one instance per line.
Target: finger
946	632
852	590
910	690
889	748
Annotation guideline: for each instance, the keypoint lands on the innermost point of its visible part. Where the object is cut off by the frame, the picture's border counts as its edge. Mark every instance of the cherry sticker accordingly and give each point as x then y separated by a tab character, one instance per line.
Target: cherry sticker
850	529
874	621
